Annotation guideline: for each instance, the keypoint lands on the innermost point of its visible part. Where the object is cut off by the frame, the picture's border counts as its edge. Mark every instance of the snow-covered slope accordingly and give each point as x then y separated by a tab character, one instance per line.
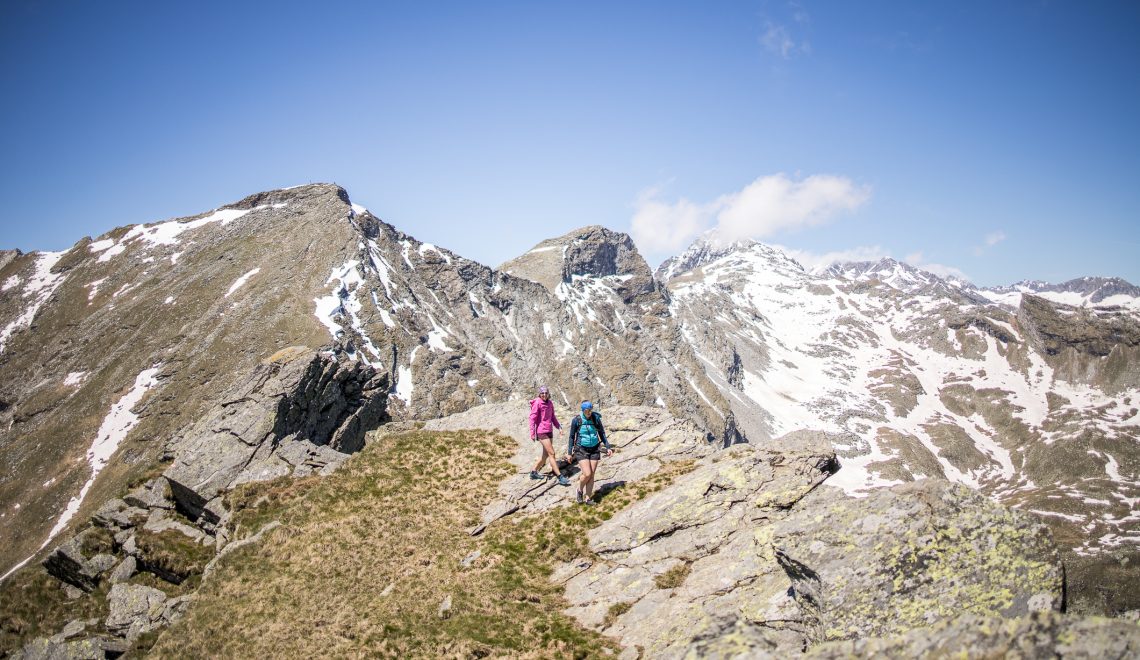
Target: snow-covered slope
924	380
1081	292
895	274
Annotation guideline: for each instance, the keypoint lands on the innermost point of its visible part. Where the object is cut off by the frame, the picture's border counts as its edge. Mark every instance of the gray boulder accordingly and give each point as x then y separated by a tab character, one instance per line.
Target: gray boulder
123	571
134	610
90	648
154	494
117	514
67	563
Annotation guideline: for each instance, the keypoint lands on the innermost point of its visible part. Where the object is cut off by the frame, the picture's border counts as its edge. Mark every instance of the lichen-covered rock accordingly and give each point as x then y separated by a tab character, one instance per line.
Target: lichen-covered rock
1040	635
687	563
134	609
116	514
154	494
913	555
90	648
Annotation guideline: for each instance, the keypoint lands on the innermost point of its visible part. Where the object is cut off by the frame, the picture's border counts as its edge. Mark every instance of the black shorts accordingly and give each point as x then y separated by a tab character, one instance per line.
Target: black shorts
544	436
588	453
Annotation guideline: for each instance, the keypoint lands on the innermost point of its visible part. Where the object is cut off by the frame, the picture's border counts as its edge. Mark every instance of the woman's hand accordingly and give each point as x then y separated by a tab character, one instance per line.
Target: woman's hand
609	452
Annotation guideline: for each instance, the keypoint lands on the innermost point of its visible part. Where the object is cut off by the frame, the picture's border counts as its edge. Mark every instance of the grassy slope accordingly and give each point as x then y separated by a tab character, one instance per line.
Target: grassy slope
365	557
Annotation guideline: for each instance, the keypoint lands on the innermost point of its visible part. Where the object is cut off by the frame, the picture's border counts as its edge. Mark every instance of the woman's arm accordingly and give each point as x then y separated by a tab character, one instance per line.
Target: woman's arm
574	425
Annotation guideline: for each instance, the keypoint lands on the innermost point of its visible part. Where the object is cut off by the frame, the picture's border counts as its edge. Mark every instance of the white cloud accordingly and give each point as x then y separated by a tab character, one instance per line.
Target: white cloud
816	263
780	40
995	238
774	203
917	260
657	226
777	41
991	239
768	205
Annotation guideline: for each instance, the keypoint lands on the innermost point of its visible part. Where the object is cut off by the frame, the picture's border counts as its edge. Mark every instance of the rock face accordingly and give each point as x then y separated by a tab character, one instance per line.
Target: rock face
300	412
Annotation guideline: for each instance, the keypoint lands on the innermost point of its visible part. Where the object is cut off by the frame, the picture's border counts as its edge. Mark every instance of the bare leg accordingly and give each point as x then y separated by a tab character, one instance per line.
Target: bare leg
548	455
591	468
541	459
586	481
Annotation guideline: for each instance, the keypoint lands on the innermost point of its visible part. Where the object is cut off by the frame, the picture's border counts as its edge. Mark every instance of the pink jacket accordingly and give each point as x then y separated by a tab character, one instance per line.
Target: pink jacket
542	417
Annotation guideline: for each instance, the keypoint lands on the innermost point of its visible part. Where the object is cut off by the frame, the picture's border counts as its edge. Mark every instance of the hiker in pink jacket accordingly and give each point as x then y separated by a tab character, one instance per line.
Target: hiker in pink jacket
543	421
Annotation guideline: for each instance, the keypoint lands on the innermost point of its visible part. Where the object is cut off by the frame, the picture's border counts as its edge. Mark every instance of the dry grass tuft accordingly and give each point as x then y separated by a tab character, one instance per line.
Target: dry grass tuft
674	577
615	611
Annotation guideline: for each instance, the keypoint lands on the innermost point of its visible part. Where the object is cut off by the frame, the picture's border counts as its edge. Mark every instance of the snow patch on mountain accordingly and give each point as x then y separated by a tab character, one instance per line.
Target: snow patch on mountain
116	425
37	290
241	281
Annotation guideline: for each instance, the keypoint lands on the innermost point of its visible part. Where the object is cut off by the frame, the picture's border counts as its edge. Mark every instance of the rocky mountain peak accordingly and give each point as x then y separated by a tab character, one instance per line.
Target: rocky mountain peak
708	247
590	252
294	194
896	274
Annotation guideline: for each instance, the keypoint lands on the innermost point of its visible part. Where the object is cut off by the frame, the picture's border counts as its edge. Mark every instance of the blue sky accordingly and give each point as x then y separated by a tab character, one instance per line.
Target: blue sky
998	139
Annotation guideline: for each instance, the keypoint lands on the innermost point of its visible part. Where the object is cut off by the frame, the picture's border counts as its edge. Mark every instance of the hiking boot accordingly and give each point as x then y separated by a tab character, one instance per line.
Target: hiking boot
563	480
580	497
588	502
535	475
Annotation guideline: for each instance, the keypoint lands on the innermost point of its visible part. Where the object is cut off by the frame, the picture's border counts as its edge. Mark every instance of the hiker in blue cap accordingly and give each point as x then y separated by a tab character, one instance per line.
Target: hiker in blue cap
587	437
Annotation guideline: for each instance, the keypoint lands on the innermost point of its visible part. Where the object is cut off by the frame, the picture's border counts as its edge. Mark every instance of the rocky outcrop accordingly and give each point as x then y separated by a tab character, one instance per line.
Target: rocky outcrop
1092	332
300	412
683	563
911	555
68	564
745	553
72	644
1041	635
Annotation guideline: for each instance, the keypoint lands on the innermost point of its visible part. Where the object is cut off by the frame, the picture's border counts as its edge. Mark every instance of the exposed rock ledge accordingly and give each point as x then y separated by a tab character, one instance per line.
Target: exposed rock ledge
747	551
